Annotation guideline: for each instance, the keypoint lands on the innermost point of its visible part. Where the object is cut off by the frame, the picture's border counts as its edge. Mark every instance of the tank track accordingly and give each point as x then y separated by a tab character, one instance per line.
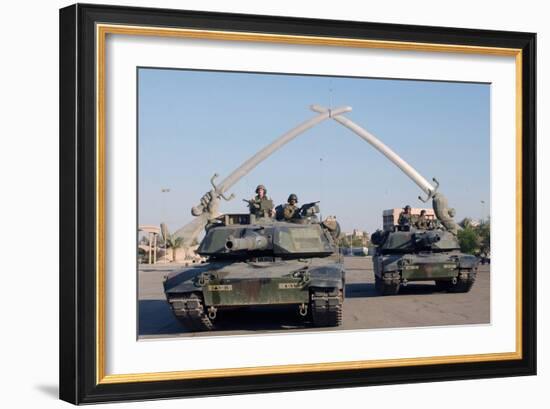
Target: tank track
465	281
326	308
387	285
190	311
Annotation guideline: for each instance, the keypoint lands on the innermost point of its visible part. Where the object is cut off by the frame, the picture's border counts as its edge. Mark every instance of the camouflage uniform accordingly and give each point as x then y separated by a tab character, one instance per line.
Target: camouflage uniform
261	206
404	219
422	222
291	211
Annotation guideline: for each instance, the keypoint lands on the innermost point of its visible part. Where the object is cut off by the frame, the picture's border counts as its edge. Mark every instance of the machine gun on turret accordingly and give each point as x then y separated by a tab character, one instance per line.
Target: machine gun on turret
309	209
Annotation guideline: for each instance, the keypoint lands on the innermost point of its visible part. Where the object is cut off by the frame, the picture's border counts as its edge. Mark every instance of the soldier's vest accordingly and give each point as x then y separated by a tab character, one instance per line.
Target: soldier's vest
290	212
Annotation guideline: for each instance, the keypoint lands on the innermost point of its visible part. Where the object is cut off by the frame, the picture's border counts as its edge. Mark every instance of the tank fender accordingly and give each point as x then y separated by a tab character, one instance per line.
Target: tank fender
391	267
327	276
185	287
391	263
467	261
183	281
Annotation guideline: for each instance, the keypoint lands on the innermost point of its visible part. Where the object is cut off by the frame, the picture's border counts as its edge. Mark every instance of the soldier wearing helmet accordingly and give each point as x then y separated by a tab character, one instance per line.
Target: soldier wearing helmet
261	205
422	222
405	217
291	211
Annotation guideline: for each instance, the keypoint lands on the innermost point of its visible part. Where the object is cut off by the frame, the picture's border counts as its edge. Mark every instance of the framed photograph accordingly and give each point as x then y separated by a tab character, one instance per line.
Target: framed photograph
258	203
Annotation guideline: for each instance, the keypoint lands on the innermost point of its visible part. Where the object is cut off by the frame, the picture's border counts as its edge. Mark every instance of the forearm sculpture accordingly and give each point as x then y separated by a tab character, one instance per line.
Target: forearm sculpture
208	207
209	203
439	201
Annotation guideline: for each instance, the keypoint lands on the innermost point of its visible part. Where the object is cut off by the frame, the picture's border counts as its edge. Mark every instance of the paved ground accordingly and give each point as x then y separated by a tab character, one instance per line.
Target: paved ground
416	305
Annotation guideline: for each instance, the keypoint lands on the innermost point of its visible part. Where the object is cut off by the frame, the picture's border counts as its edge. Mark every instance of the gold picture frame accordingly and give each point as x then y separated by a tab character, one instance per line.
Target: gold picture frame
95	23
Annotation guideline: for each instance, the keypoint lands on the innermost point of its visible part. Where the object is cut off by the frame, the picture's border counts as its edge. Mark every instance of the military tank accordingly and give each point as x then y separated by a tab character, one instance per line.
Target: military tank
406	254
262	262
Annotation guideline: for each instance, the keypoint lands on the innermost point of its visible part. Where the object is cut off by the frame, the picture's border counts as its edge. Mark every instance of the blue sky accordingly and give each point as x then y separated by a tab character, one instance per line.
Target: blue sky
192	124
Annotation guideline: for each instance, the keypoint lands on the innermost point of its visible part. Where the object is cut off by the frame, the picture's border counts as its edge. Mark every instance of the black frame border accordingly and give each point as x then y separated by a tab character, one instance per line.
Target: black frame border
78	197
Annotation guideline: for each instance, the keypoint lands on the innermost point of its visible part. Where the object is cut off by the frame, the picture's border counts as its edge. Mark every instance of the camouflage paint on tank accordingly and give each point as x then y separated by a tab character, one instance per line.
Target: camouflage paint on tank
256	292
259	283
263	261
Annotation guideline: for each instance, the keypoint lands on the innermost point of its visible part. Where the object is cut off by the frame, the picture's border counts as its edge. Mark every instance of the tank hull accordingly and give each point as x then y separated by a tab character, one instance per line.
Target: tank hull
419	267
276	291
315	287
453	271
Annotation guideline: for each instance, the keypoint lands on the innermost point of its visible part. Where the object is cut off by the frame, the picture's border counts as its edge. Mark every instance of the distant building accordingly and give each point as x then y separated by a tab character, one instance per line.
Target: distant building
355	251
358	237
148	249
390	217
467	222
153	249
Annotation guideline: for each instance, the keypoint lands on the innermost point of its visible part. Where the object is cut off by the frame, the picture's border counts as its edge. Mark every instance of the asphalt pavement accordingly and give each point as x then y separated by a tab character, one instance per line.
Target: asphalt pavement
417	305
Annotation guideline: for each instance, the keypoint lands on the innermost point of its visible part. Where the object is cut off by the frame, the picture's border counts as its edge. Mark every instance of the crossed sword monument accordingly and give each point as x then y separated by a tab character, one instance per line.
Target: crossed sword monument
209	203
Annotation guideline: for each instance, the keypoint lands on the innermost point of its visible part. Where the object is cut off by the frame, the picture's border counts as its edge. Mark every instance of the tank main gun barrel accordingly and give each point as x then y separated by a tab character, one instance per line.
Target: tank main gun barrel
250	242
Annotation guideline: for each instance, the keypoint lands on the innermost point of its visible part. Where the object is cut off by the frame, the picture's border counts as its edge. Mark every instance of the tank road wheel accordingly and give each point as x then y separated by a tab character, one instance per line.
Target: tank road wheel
326	307
190	311
387	285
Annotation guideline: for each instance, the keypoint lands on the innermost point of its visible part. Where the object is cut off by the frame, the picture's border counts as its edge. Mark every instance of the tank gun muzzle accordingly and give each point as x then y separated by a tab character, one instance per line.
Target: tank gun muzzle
427	239
250	242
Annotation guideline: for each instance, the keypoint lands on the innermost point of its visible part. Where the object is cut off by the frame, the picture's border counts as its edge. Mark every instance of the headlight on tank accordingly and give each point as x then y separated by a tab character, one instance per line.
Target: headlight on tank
204	278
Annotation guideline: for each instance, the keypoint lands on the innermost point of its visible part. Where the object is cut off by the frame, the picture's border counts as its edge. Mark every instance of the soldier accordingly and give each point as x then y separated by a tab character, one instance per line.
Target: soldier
405	217
422	222
291	211
261	205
